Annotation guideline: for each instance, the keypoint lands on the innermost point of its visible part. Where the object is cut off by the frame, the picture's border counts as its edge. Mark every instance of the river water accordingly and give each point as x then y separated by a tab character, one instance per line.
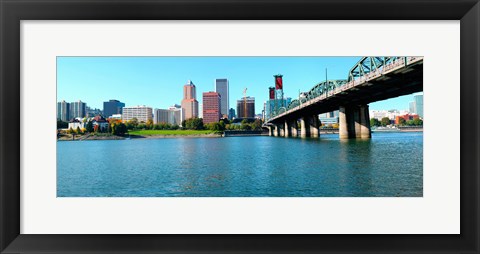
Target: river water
390	164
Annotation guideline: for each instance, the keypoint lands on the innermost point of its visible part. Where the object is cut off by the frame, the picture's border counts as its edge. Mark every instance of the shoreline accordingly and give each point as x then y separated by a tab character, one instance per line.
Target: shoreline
210	135
113	137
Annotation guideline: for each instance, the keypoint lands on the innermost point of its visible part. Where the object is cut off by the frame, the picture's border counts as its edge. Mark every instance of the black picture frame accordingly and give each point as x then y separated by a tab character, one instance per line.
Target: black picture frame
13	11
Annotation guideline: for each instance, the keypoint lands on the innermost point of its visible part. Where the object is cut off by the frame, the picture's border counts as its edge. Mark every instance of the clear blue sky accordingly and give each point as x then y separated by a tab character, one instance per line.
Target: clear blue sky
158	81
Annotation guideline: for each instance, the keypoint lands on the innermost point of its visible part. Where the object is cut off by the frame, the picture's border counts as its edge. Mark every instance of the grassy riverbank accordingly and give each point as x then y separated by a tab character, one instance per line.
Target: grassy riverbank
170	133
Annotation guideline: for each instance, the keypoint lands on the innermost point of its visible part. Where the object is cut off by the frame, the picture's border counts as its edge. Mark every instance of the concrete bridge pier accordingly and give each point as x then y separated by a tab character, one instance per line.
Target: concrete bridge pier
365	130
314	126
305	127
294	128
288	130
281	130
354	122
342	123
276	131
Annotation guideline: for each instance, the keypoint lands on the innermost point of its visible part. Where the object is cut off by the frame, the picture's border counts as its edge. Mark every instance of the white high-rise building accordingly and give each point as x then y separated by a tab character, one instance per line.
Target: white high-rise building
172	115
200	110
78	109
142	113
221	87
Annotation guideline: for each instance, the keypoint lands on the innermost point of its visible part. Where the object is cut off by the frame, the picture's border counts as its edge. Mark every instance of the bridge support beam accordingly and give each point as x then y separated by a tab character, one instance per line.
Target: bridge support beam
294	128
314	126
354	122
305	127
276	131
342	123
365	131
281	130
270	130
288	130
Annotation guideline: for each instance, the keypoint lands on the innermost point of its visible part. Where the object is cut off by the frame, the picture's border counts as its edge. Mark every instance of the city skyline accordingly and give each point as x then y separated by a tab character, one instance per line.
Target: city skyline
144	80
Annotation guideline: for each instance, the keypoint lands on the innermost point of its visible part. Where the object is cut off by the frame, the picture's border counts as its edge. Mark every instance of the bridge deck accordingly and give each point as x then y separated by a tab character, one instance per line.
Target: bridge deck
394	78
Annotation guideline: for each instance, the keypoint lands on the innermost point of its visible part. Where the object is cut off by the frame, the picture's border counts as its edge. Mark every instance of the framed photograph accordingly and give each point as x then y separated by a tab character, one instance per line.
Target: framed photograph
239	126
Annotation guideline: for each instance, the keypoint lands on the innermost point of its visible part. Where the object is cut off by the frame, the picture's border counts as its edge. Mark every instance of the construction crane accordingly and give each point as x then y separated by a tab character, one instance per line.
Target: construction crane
245	103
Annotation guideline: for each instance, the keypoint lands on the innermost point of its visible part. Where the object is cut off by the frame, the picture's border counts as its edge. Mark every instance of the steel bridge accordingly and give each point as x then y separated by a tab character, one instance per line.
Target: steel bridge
370	79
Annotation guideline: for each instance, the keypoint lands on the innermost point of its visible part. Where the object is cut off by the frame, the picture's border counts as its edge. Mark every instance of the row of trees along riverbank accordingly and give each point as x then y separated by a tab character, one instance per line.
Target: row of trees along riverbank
114	127
222	125
119	128
402	122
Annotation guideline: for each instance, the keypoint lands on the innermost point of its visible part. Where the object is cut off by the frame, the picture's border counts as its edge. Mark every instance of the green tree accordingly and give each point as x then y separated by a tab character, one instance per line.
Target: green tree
120	129
245	126
61	124
222	125
374	122
385	121
129	125
78	131
402	121
257	125
198	124
418	122
133	123
209	126
89	127
193	124
225	120
149	124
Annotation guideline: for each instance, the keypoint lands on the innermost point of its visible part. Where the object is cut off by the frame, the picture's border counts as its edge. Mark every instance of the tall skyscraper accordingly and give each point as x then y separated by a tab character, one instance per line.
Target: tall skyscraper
249	105
411	107
231	113
211	107
189	102
78	109
142	113
221	87
200	110
418	99
63	111
112	107
416	106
